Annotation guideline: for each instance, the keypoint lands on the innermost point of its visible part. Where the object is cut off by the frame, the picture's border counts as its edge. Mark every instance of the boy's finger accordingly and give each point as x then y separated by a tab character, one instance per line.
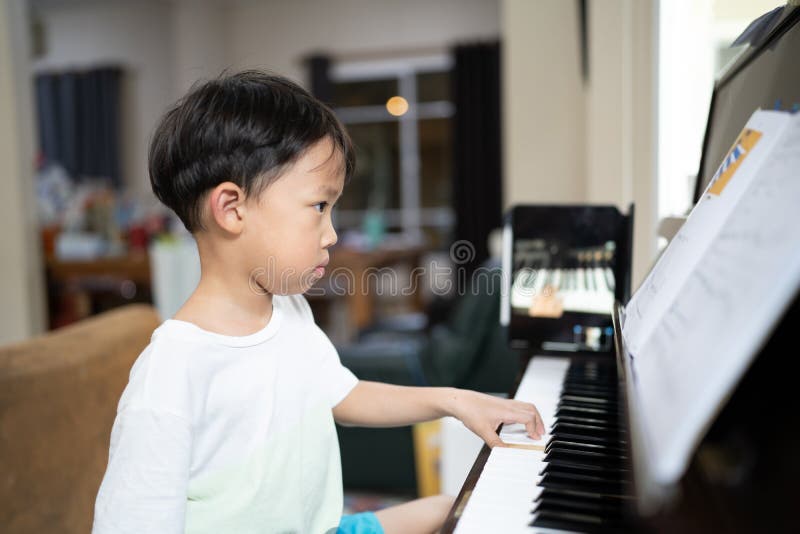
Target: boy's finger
539	421
532	426
495	441
491	438
529	416
540	428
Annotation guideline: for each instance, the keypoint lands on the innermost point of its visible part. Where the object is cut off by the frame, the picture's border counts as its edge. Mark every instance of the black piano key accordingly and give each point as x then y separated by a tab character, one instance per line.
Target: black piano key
608	484
584	391
564	442
575	522
596	421
606	409
586	438
571	460
565	428
588	382
583	449
611	472
586	506
564	502
605	500
580	485
586	465
585	411
584	399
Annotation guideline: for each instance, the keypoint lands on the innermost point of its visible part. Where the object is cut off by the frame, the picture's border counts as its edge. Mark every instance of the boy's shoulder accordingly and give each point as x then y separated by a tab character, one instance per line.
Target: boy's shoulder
159	377
177	346
295	304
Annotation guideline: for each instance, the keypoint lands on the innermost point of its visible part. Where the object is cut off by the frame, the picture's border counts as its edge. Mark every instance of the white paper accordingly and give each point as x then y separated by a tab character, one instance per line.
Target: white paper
710	302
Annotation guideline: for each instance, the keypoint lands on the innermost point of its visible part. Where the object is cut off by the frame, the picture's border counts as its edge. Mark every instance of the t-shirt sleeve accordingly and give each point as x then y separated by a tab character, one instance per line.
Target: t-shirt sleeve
340	380
145	485
335	380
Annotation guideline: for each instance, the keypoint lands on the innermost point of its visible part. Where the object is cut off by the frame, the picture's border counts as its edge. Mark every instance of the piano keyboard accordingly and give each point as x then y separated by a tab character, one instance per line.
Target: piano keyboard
588	290
578	483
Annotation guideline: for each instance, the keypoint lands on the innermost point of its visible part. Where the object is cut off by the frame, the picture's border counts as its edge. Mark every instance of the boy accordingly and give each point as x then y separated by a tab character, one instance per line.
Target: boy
227	422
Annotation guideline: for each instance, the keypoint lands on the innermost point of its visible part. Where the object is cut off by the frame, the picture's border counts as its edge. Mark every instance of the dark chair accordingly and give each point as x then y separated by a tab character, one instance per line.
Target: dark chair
468	349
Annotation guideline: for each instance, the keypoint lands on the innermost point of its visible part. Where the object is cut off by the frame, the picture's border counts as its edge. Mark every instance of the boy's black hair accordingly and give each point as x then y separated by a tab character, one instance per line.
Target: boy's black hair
244	128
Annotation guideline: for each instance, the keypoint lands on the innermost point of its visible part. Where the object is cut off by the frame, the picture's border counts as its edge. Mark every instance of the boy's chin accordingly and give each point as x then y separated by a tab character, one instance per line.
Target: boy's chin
299	286
309	283
285	287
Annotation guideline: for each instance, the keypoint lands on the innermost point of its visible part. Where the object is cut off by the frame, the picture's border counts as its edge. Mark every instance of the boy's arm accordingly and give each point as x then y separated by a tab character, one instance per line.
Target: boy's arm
376	404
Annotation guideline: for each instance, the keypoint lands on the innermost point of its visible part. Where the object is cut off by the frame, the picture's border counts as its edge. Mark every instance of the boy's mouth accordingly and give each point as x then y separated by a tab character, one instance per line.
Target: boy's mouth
319	270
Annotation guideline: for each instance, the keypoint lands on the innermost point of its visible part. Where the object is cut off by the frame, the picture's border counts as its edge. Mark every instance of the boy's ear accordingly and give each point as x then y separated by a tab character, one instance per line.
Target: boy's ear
226	204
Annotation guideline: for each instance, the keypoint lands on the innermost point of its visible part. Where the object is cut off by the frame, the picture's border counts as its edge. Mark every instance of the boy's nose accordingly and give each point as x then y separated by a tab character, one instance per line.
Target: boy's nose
330	238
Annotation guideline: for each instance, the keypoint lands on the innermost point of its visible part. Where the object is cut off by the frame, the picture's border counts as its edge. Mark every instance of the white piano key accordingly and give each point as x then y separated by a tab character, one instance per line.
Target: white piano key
498	504
502	500
584	290
610	282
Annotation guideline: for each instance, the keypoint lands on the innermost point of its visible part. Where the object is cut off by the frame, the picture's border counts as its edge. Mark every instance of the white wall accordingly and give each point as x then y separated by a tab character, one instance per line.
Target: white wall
21	272
278	35
544	107
136	35
200	42
622	115
165	46
566	142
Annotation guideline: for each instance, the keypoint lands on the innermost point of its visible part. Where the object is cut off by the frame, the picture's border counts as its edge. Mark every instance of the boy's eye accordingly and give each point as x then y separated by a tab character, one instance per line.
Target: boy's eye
321	206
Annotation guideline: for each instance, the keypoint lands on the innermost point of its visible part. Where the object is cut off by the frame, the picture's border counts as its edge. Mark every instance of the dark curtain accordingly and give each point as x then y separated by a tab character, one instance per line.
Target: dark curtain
477	165
79	122
321	85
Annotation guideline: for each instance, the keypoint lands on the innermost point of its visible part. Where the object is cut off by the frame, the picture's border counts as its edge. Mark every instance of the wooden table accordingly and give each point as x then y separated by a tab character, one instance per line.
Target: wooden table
134	267
350	272
355	267
73	284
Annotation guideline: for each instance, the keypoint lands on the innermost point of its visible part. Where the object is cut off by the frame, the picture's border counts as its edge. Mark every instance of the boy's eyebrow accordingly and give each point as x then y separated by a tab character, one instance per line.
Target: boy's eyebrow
332	191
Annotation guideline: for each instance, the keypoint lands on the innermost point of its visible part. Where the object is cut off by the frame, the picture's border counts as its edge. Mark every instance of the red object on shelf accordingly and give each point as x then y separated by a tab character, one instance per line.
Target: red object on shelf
137	238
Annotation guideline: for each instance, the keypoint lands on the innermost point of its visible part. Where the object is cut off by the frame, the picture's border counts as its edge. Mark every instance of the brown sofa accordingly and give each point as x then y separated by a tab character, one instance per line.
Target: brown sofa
58	399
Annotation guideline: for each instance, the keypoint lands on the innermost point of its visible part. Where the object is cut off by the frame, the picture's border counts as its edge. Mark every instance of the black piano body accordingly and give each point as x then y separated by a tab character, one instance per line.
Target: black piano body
544	241
743	474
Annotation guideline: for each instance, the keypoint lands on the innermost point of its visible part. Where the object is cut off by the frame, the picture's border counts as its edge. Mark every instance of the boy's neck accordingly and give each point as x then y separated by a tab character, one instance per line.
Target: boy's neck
224	302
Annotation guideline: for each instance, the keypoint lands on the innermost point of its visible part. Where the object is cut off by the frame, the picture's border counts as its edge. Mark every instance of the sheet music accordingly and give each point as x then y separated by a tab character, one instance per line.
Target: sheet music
668	276
697	322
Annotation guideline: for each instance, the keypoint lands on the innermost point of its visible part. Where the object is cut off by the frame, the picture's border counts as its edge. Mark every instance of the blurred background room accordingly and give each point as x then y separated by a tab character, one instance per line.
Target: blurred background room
458	110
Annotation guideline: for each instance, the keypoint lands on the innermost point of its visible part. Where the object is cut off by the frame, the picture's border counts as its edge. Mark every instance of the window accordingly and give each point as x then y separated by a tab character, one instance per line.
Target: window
403	147
694	47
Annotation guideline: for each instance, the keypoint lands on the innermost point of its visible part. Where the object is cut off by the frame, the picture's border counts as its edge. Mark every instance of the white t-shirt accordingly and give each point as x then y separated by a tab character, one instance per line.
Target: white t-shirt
222	434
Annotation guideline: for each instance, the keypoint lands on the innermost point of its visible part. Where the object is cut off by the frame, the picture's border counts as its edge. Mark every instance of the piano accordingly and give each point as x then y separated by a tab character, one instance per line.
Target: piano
567	265
742	478
579	257
591	472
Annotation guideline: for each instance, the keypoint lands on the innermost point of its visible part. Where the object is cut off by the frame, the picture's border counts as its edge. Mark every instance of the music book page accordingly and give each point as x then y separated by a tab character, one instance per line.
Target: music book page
710	302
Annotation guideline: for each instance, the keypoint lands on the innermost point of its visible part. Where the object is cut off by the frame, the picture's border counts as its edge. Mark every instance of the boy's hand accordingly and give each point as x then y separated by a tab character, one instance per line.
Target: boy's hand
483	413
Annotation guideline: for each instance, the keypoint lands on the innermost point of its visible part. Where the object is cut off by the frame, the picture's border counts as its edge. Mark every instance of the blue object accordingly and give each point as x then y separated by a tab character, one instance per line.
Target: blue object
374	228
362	523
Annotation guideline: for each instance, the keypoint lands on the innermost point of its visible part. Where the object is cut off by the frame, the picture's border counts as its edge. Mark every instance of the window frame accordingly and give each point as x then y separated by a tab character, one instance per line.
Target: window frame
411	217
